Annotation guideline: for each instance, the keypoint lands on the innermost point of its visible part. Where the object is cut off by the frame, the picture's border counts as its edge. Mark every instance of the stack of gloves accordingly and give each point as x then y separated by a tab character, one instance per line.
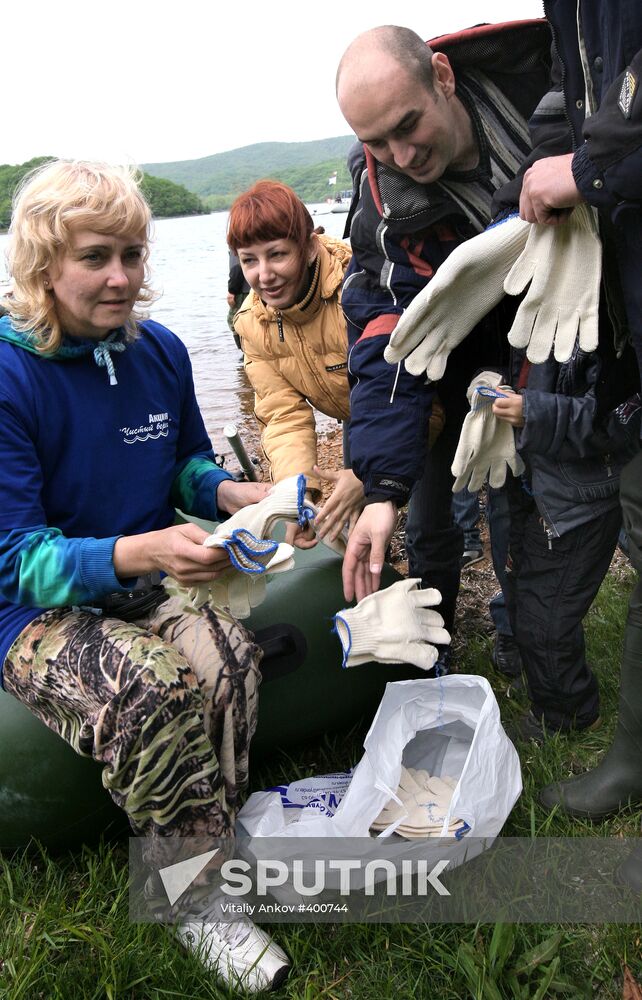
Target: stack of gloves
247	553
246	538
285	502
393	625
561	265
240	589
420	807
486	445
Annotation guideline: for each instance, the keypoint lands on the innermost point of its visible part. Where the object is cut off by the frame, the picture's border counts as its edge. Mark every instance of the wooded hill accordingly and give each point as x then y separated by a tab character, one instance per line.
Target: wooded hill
305	166
166	199
211	183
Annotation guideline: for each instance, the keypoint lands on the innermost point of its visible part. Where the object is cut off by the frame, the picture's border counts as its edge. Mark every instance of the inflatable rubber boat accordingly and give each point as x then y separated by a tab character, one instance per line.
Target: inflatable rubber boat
50	793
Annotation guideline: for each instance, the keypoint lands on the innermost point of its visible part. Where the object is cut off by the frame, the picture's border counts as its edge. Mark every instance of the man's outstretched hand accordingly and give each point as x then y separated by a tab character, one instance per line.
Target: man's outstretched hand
366	551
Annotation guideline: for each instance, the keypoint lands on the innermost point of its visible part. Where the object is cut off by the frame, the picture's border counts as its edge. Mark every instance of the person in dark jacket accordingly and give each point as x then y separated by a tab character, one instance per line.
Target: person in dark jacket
237	290
589	138
442	127
564	521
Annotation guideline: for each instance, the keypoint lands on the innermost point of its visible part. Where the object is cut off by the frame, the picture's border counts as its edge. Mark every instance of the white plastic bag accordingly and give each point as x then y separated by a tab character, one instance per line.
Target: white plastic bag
316	796
449	725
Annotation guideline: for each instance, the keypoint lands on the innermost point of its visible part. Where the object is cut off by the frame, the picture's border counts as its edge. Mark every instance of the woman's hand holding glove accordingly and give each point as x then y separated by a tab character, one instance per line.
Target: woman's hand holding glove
342	507
239	590
286	501
245	536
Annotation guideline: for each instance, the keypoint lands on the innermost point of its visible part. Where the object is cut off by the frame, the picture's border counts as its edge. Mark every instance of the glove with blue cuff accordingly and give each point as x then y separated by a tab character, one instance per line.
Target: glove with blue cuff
247	553
286	501
486	445
239	590
393	625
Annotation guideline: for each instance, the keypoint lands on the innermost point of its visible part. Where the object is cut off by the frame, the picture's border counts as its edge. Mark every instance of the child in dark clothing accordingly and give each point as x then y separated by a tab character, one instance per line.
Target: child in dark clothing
565	521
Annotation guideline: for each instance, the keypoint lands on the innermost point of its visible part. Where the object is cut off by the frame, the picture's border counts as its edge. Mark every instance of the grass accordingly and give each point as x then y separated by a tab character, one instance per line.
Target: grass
66	933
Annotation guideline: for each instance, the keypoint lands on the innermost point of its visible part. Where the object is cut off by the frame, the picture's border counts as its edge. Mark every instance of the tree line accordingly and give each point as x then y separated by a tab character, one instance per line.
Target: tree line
166	199
305	166
310	183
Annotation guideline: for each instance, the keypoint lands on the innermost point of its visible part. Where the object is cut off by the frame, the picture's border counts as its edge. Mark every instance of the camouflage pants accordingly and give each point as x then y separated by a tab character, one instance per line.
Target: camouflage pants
168	704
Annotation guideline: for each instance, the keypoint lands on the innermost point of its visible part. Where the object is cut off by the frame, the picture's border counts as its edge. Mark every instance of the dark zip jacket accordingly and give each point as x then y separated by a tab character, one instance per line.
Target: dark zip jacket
397	246
606	145
575	440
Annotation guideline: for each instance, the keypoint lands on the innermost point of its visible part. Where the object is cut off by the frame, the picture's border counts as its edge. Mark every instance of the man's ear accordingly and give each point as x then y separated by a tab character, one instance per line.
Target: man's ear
442	74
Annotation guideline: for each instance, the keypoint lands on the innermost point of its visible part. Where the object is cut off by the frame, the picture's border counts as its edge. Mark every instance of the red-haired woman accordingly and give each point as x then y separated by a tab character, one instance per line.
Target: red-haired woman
294	339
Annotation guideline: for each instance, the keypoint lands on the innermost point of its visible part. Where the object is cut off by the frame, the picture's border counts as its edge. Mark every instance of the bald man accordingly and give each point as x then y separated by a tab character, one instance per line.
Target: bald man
402	104
441	128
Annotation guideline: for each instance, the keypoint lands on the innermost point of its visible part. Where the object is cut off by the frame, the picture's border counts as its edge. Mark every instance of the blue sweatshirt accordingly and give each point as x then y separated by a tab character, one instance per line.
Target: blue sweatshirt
84	462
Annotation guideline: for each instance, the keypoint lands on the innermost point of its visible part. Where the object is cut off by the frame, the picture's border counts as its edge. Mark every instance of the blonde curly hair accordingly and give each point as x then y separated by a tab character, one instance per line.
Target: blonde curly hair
51	202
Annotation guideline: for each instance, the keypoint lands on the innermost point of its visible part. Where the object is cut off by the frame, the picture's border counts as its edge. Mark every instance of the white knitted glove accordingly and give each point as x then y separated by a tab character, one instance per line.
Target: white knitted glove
393	626
420	807
563	264
465	288
285	502
240	591
486	444
247	553
282	560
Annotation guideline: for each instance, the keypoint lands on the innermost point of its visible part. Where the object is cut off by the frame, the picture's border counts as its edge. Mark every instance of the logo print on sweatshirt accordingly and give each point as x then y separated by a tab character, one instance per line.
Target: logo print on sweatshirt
157	426
627	93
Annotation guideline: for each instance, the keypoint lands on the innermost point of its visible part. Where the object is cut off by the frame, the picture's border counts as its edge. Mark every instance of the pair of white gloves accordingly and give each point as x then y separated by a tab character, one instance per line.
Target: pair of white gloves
486	445
246	538
394	625
562	266
420	806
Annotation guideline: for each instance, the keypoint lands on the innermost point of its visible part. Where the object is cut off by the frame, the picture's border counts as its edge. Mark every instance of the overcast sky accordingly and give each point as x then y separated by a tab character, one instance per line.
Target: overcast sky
141	81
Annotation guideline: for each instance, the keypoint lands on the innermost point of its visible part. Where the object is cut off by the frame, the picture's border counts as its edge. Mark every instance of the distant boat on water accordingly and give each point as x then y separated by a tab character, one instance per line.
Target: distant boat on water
342	202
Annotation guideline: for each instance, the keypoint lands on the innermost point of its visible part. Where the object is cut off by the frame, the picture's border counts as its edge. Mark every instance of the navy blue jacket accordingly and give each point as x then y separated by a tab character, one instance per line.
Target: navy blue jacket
574	448
397	247
607	145
575	442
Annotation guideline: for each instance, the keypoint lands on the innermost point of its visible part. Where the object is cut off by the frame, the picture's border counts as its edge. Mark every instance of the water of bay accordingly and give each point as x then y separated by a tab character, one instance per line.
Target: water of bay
189	261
